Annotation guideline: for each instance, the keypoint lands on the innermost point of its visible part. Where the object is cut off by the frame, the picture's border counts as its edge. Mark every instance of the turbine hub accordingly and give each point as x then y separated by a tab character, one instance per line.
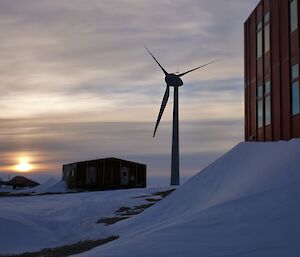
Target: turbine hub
173	80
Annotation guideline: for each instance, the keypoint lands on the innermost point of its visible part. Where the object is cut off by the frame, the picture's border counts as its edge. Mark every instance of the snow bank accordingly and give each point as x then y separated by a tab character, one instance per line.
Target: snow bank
247	203
59	187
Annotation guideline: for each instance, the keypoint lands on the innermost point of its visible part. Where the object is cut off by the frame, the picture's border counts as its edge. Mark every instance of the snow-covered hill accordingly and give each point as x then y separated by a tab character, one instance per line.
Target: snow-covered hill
247	203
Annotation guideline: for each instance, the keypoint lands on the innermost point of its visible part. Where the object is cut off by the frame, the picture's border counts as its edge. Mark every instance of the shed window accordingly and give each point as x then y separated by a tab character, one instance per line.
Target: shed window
293	15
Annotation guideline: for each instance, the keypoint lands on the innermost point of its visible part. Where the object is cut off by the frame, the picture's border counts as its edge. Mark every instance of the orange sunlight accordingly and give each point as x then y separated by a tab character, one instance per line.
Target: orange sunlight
24	165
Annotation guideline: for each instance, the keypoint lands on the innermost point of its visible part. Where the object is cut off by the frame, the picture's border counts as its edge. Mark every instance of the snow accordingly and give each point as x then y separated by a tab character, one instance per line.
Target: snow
5	189
31	223
245	204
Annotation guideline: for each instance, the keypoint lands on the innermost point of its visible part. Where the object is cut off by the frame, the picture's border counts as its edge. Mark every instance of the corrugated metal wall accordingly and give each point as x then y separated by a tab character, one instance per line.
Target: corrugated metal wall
105	173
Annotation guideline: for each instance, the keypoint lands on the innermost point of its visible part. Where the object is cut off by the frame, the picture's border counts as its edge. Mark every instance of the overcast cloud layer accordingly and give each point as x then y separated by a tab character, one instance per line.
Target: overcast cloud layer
76	82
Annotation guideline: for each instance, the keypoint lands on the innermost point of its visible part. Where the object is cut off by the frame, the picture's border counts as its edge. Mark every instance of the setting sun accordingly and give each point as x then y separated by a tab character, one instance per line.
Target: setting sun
24	165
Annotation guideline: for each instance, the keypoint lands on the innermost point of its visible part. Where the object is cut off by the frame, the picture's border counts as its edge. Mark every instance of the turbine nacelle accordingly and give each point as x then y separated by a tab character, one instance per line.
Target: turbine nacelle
173	80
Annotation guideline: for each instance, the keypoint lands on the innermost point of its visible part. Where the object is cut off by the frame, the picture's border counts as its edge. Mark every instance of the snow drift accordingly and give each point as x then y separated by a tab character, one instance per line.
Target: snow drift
247	203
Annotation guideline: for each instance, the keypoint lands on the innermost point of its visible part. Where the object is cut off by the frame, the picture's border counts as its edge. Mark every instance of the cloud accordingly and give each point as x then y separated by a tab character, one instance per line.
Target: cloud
58	44
76	81
52	143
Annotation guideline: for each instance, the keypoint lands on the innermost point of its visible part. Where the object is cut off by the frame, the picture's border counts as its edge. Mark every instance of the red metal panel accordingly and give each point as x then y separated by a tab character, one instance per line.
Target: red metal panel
252	60
275	51
294	43
259	70
296	126
268	133
259	12
246	75
266	5
260	134
285	70
267	64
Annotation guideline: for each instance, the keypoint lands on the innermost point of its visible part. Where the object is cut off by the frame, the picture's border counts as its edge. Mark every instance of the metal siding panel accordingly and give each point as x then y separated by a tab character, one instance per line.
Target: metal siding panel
285	68
245	81
267	64
266	5
275	66
294	43
268	133
259	12
296	126
260	134
260	69
252	59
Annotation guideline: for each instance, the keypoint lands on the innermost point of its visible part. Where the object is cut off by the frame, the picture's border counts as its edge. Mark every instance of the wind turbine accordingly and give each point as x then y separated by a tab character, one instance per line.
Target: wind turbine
173	80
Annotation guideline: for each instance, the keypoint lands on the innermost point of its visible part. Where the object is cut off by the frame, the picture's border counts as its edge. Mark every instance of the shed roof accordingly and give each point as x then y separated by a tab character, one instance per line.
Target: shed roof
21	181
105	159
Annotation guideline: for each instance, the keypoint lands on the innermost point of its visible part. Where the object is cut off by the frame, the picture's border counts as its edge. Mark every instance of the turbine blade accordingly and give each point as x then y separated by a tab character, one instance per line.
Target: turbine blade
182	74
162	108
156	61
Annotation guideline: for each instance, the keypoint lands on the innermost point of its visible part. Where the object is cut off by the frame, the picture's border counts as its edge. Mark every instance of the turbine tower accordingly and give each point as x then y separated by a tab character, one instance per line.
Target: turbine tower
173	80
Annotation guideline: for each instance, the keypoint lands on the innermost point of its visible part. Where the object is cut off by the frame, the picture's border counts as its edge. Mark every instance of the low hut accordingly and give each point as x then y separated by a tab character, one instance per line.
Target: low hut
21	182
108	173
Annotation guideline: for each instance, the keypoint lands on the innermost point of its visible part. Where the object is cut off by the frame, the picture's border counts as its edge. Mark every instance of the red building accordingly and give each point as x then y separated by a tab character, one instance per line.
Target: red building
272	105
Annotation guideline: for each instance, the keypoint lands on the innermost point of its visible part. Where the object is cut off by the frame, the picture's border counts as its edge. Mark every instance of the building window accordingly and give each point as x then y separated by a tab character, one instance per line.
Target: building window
259	40
267	32
263	36
267	103
259	106
293	15
295	89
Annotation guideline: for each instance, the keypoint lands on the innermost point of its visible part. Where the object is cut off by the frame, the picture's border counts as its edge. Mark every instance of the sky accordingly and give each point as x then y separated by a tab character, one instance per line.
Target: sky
77	83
